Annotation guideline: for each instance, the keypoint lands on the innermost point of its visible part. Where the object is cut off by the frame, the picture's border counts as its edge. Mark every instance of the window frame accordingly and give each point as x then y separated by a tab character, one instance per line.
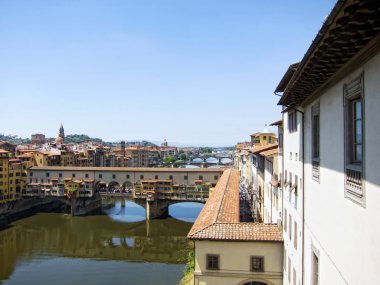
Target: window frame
261	260
354	172
212	267
315	141
292	121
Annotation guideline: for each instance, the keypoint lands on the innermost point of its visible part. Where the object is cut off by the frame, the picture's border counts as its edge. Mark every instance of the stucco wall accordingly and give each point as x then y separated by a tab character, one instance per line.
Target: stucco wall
292	160
345	234
121	176
235	262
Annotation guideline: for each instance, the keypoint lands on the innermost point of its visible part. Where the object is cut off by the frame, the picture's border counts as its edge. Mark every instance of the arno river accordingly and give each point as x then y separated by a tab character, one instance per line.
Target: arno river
119	247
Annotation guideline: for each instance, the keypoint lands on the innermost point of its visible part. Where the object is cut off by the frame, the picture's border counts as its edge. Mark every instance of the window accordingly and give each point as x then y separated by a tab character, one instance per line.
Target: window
86	175
290	156
289	268
215	177
113	176
185	177
264	138
292	121
170	177
315	141
73	175
284	265
212	262
31	174
127	176
200	177
257	263
47	174
353	143
100	175
290	227
60	175
141	176
294	277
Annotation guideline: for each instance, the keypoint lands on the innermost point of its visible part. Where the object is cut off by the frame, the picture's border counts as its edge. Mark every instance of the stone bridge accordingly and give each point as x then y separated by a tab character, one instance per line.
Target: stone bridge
154	205
155	189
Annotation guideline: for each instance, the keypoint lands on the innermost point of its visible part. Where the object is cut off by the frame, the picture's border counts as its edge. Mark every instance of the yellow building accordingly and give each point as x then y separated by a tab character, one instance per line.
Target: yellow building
4	164
40	158
14	179
263	138
13	176
227	251
67	158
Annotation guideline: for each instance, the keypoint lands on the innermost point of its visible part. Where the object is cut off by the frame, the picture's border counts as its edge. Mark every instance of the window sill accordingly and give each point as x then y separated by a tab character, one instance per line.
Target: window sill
355	167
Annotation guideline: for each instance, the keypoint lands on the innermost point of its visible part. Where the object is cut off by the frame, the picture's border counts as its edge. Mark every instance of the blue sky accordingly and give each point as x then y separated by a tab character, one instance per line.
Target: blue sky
196	72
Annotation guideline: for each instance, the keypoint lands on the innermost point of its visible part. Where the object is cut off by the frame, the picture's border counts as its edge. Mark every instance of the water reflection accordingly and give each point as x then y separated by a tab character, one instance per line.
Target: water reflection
35	243
130	213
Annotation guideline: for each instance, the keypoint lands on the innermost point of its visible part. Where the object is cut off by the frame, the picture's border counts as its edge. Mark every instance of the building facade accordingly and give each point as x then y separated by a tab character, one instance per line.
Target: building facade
331	115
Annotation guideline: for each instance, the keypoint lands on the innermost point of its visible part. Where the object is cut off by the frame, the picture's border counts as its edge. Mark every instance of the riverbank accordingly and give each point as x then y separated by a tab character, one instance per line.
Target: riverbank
188	273
27	209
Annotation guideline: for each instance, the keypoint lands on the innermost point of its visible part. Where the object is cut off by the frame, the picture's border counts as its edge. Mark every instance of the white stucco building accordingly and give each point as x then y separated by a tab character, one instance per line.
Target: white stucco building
331	101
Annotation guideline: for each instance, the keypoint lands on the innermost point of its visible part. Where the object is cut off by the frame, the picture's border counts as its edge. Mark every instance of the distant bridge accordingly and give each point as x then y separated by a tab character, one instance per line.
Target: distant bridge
155	189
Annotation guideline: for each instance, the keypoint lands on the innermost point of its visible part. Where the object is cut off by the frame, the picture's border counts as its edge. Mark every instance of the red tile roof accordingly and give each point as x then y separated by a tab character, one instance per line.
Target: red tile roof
259	149
269	152
239	232
219	218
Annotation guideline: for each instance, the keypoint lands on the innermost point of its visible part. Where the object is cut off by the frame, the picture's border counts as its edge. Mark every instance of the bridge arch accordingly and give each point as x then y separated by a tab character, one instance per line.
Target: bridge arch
114	186
127	186
101	186
185	211
255	281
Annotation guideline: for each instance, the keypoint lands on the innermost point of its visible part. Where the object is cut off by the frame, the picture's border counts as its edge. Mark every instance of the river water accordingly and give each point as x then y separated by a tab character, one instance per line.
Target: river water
118	247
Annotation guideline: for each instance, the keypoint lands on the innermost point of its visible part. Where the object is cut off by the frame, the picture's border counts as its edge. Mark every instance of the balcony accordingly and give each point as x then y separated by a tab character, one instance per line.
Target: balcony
354	183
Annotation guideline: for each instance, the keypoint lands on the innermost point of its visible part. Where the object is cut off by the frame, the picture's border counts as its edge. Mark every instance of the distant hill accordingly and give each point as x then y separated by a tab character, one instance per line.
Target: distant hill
14	139
75	138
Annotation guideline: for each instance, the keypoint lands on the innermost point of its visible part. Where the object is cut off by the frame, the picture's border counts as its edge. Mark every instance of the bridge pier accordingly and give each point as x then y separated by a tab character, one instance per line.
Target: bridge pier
83	206
157	209
122	203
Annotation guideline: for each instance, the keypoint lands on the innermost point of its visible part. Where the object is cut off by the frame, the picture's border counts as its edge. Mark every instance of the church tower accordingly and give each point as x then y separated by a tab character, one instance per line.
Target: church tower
62	132
122	147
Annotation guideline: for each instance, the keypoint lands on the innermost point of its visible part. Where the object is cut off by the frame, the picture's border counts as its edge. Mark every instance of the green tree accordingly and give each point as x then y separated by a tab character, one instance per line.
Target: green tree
183	156
169	159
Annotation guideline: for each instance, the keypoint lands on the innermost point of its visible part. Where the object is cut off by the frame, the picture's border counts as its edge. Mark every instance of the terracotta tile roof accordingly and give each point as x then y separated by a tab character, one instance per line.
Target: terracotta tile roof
240	232
269	152
259	149
276	123
26	155
27	150
219	218
3	151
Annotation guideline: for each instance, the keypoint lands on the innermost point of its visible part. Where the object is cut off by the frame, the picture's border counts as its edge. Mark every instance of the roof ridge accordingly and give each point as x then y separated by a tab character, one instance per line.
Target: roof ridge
223	196
190	234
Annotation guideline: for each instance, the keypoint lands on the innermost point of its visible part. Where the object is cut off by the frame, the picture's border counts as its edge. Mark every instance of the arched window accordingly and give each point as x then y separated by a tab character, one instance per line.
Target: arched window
255	283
